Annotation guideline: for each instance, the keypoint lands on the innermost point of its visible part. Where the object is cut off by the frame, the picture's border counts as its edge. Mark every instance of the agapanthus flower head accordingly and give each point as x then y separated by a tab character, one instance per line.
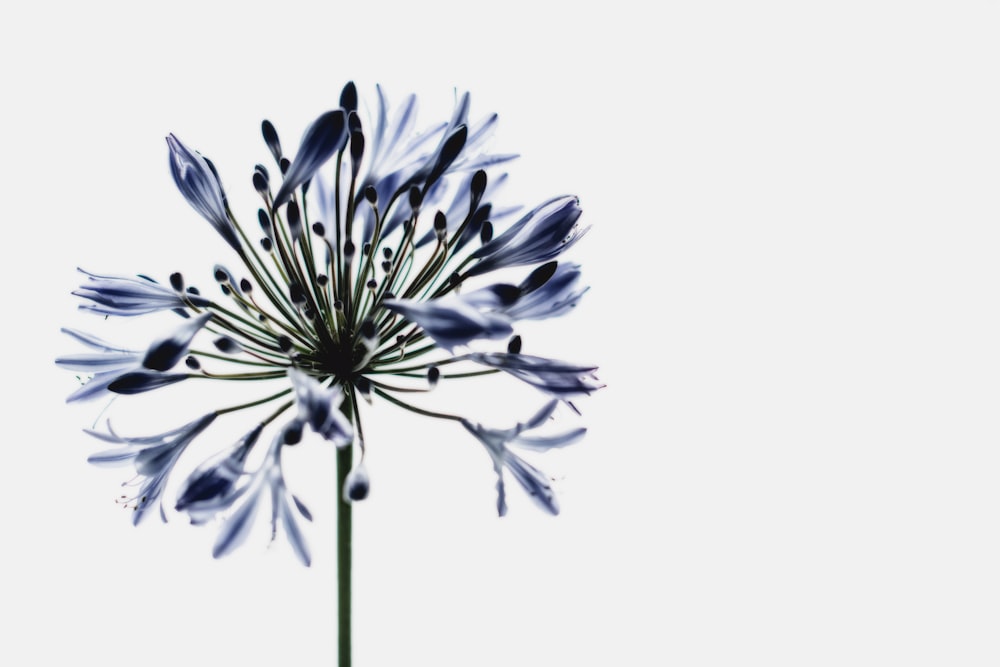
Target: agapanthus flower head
381	297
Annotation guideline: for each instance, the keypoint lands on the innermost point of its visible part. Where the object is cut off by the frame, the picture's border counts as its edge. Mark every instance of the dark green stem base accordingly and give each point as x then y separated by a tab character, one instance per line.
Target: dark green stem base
344	462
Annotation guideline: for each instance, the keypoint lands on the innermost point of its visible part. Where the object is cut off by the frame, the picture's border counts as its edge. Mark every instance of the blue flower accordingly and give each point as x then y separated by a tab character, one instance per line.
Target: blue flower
498	443
557	378
196	179
327	321
212	487
153	458
269	481
105	366
452	322
115	295
319	407
543	234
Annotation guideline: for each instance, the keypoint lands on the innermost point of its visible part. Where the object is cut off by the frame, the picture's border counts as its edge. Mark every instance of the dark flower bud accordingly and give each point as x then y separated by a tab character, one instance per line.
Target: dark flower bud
296	294
357	484
539	277
259	183
368	328
349	97
227	345
357	151
271	139
293	433
478	184
416	198
353	122
294	220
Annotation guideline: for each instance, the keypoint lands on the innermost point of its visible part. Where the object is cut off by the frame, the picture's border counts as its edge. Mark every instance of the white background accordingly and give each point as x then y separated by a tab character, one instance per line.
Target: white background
794	296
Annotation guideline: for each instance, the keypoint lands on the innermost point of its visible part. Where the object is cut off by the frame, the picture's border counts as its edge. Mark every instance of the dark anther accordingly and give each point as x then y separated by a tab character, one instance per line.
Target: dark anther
388	295
193	290
371	284
363	384
338	304
514	346
349	248
177	281
225	289
284	343
322	280
284	164
265	243
192	363
309	313
371	194
433	375
454	279
387	266
245	285
319	229
440	222
486	232
221	275
387	252
366	249
271	139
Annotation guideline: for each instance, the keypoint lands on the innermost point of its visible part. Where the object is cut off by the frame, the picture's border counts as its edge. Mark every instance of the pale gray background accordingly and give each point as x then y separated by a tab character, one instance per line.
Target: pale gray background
794	304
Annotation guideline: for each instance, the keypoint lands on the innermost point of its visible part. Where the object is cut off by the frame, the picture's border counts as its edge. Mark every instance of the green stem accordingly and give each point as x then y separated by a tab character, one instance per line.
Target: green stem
345	458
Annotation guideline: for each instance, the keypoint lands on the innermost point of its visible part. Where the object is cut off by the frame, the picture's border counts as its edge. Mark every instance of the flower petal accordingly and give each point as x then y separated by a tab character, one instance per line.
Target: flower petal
326	136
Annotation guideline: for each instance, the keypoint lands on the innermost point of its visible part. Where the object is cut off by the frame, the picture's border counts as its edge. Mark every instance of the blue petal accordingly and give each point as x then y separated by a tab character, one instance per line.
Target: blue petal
237	527
200	186
140	381
326	136
164	353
